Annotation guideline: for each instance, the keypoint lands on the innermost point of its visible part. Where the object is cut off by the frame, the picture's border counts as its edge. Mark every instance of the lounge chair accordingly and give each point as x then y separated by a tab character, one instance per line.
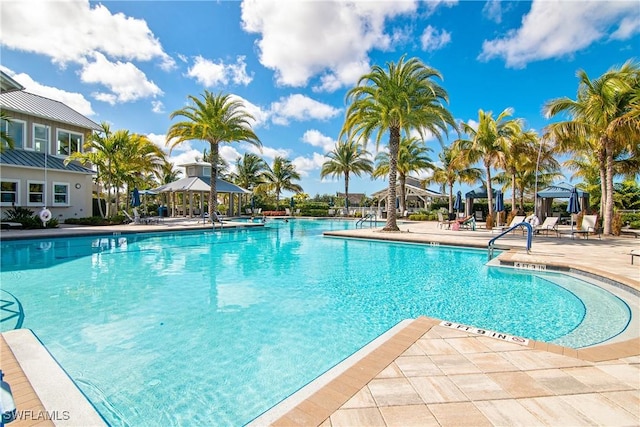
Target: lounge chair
287	211
550	224
588	226
467	222
479	216
516	220
297	212
442	222
130	219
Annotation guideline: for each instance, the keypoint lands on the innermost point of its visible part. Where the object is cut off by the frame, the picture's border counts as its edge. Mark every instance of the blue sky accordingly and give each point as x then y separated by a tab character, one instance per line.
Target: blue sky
131	63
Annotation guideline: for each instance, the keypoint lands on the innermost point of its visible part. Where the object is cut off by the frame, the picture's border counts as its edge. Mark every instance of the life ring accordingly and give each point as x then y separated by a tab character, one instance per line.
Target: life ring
45	215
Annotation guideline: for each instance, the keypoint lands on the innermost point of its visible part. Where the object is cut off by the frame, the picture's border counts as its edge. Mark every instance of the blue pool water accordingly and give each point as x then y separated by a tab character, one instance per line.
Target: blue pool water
213	328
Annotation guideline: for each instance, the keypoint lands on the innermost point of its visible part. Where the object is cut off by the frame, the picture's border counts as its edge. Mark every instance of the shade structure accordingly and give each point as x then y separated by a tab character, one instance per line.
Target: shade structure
135	198
457	204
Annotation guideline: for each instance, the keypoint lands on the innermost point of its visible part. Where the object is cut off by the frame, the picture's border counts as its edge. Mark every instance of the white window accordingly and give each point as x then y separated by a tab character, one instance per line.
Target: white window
9	192
40	139
206	171
35	193
14	129
68	142
60	194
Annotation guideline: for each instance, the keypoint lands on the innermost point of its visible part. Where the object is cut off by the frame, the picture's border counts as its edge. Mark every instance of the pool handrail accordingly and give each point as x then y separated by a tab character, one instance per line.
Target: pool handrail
524	224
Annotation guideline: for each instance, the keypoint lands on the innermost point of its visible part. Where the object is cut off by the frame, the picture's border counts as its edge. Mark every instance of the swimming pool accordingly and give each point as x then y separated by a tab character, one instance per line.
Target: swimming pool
216	327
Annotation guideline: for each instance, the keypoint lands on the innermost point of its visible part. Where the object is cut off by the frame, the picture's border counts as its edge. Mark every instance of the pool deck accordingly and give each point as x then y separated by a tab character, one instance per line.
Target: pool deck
425	372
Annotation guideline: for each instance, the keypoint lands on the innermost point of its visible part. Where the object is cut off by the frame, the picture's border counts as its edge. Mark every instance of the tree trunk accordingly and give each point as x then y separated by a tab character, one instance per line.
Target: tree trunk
608	212
213	190
603	181
394	147
403	195
451	197
513	194
489	193
346	191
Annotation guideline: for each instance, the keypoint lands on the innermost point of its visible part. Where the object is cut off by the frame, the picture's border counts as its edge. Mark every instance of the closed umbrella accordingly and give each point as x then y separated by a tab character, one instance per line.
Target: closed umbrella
499	204
574	204
135	198
457	204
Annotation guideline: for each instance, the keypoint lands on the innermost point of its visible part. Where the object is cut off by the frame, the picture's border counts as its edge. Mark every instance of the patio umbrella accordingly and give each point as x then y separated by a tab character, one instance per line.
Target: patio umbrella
253	204
135	198
574	204
457	204
499	204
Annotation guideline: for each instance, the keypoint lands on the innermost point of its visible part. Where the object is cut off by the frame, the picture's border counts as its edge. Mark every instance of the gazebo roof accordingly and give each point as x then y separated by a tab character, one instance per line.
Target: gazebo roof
560	191
480	193
411	190
198	184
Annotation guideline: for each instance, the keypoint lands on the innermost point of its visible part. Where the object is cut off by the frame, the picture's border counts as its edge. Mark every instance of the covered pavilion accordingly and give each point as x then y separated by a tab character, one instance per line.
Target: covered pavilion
478	193
416	195
195	192
544	198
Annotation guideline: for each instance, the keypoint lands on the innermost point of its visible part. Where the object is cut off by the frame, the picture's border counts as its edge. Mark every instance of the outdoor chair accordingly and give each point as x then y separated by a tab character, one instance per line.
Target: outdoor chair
442	222
588	226
287	211
130	219
297	212
516	220
479	216
550	223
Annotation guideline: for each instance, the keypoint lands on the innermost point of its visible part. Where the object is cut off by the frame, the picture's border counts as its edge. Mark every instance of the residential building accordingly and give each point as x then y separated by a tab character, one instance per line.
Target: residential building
33	174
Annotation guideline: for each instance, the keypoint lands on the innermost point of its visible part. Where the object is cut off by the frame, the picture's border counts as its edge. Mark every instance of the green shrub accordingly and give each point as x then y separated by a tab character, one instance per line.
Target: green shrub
96	220
419	217
633	219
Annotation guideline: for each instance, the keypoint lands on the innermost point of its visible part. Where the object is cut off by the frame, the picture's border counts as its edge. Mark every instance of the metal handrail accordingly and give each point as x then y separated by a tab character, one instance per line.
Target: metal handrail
369	217
520	224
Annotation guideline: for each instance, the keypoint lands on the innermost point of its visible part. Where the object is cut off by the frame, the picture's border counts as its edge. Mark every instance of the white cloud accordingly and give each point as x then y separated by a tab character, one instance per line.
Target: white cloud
300	108
341	33
160	141
126	82
316	139
432	40
69	31
304	165
72	99
492	10
210	73
185	157
229	153
157	107
267	152
558	29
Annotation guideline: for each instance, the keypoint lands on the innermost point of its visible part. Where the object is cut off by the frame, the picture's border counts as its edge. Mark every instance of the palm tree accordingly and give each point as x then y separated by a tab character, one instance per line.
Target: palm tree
249	170
347	158
280	177
453	169
5	138
215	119
137	156
412	157
100	151
403	97
487	143
166	173
603	121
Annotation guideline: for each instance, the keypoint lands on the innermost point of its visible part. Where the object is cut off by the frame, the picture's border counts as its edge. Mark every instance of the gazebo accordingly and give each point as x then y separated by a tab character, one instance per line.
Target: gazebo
544	198
478	193
413	192
198	183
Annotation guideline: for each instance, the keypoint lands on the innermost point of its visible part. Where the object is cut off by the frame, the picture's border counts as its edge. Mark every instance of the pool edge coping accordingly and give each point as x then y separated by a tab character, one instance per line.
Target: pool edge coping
323	402
58	393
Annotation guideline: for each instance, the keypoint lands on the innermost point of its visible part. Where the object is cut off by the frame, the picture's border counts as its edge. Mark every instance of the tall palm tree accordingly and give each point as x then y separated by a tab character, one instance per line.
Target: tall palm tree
280	177
403	97
602	120
249	170
215	119
166	172
412	157
453	169
100	151
347	158
487	143
5	138
137	156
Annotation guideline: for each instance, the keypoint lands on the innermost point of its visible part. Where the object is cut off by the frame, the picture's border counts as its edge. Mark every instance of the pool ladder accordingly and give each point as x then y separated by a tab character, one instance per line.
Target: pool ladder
525	225
368	217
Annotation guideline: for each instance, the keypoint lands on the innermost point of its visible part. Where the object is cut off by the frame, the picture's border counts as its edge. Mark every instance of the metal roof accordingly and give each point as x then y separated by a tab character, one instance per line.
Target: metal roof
480	193
35	159
39	106
195	183
411	190
7	84
560	191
